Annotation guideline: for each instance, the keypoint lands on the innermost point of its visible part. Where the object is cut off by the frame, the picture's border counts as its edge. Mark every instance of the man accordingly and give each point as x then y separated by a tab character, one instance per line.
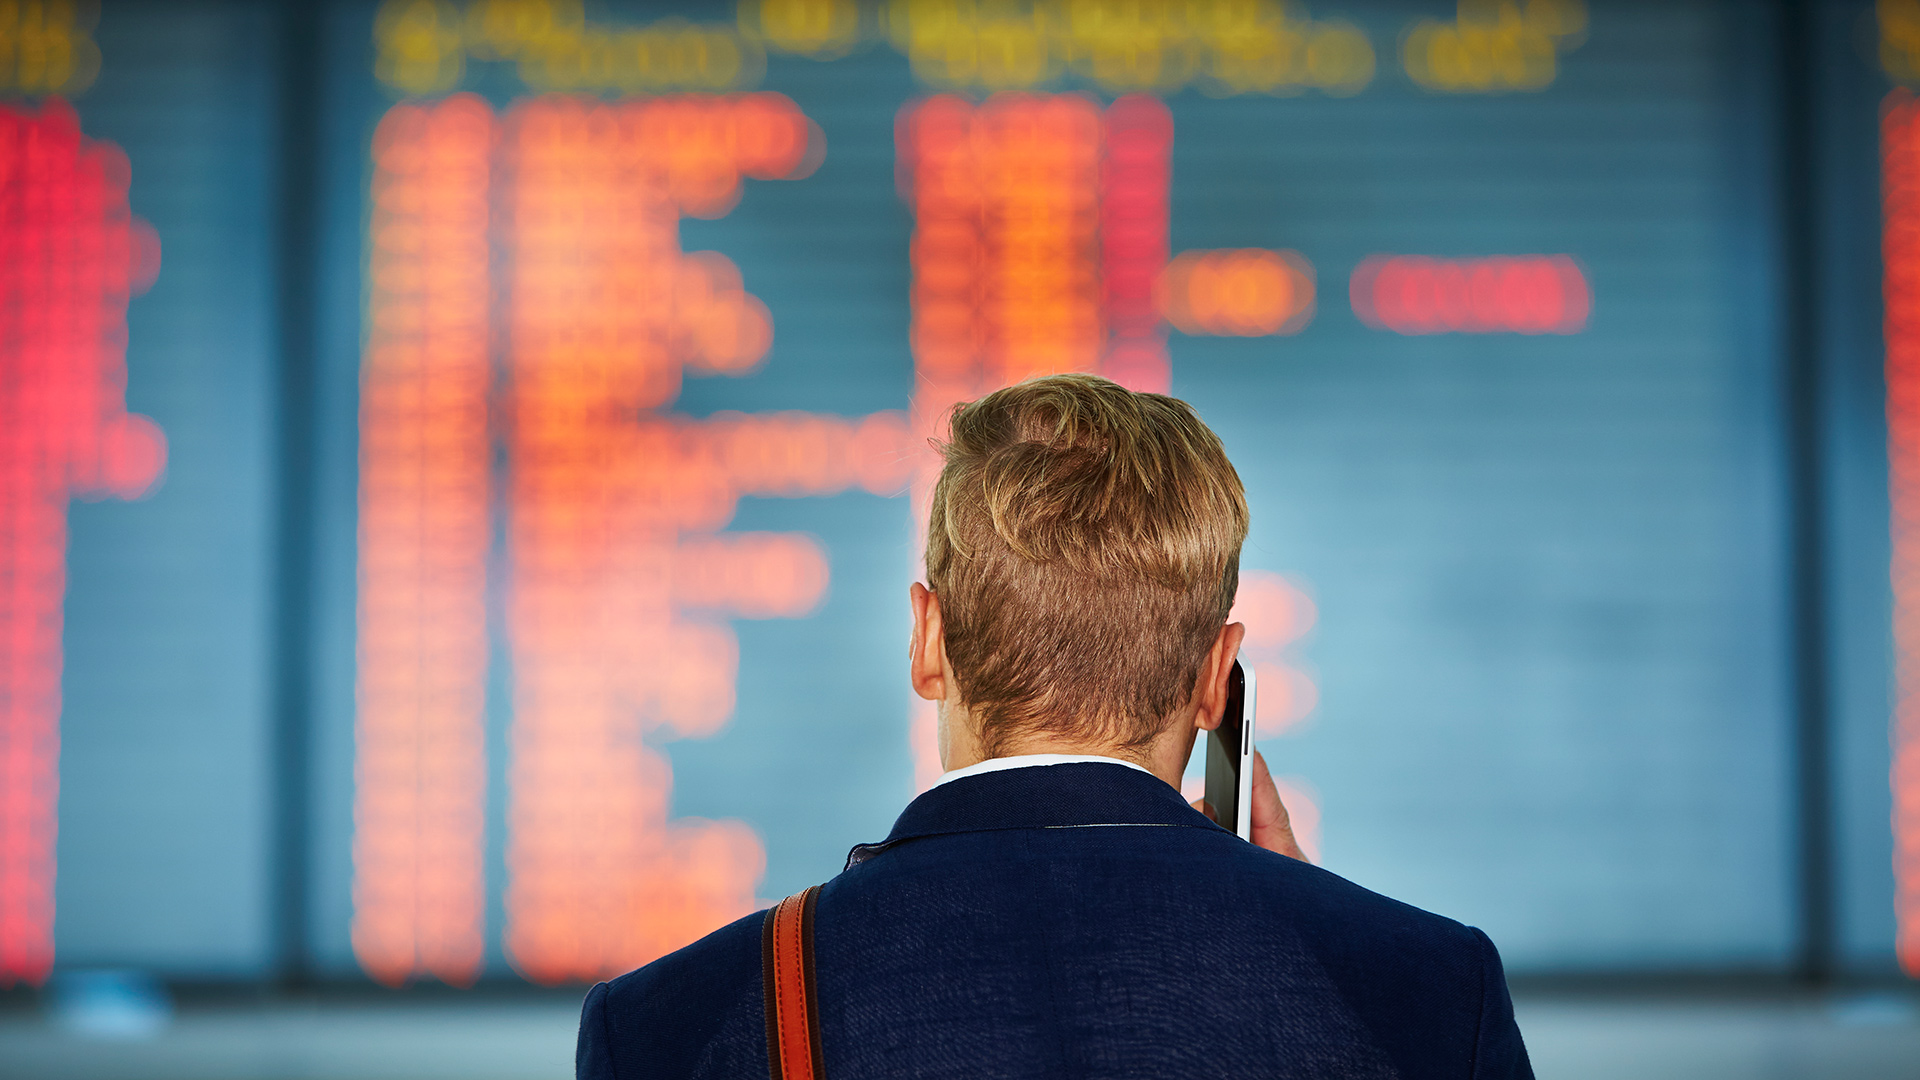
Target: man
1052	907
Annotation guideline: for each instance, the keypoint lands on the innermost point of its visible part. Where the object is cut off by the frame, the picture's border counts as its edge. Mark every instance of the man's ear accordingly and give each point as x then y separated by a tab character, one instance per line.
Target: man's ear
1210	689
927	652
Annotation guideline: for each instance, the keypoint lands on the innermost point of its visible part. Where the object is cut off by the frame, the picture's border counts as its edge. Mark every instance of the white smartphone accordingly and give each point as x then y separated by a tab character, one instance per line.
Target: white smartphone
1230	757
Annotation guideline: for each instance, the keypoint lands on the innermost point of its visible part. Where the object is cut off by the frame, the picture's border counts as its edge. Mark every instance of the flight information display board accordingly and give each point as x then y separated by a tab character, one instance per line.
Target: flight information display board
657	314
634	323
137	464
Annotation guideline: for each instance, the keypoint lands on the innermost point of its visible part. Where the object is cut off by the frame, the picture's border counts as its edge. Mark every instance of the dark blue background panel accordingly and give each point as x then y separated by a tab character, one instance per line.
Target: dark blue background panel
1546	685
166	804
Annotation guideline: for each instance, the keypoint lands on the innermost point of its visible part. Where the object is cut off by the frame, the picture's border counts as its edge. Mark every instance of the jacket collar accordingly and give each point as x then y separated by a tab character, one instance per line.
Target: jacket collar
1041	797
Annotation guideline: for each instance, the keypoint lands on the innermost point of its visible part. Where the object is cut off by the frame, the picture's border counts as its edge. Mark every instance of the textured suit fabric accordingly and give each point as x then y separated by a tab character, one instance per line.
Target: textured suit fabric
1080	921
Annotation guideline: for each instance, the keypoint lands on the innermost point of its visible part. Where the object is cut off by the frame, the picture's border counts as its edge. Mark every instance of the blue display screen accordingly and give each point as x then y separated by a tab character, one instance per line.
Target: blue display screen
629	328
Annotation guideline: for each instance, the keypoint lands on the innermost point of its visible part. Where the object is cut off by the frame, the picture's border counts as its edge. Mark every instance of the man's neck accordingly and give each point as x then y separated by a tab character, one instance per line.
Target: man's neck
1163	757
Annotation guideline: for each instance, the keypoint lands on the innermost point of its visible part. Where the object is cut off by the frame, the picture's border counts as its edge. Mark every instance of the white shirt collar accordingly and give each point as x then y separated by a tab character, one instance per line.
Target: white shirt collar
1027	761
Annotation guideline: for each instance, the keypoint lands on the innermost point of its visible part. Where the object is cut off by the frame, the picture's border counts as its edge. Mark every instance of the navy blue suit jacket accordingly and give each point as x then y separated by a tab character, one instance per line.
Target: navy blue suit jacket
1080	921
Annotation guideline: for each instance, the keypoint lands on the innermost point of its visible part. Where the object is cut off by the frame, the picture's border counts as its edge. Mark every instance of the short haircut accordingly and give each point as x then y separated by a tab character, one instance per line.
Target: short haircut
1084	541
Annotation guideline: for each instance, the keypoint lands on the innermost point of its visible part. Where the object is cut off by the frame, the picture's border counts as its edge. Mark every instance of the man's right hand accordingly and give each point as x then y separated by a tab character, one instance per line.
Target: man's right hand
1272	829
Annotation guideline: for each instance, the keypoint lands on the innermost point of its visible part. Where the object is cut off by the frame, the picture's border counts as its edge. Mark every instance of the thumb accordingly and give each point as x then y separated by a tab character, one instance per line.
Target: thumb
1272	828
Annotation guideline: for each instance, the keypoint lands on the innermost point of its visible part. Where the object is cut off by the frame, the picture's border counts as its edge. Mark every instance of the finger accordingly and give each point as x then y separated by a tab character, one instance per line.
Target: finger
1272	828
1268	809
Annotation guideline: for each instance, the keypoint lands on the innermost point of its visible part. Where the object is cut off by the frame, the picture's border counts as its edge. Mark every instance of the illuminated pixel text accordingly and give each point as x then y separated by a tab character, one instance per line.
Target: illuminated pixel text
71	254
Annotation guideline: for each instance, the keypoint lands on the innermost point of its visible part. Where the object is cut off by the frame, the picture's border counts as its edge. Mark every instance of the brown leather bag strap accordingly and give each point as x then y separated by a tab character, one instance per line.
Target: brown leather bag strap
793	1011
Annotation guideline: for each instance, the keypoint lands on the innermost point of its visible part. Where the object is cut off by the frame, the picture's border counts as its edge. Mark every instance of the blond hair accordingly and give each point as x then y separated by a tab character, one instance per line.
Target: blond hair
1084	542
